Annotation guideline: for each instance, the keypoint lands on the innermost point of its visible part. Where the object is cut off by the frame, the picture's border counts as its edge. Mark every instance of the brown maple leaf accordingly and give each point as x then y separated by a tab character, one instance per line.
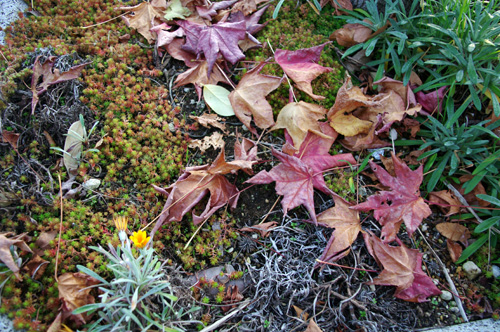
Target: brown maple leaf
263	229
347	227
313	327
247	7
299	119
249	98
194	184
402	268
35	267
10	137
174	48
74	292
454	232
301	67
245	150
403	203
446	202
198	76
210	119
50	76
144	16
351	34
6	241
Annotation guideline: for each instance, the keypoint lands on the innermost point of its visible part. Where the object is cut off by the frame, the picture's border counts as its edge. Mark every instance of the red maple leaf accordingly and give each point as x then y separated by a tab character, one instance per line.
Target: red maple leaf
402	268
403	203
194	184
298	174
211	40
301	67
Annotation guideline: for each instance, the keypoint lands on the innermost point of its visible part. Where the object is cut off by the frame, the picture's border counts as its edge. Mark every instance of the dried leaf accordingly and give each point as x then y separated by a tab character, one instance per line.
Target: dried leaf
43	241
402	268
351	34
194	184
198	76
262	229
232	296
301	67
217	98
10	137
56	324
35	267
165	36
454	232
176	10
246	6
299	312
207	12
6	254
73	146
347	227
445	197
144	16
246	150
74	293
214	39
207	120
433	101
454	249
216	141
248	99
313	327
50	76
337	4
174	48
403	203
299	119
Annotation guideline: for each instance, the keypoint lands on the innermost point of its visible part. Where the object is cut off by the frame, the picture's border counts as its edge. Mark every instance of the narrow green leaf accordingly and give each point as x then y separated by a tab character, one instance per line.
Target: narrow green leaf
486	224
472	248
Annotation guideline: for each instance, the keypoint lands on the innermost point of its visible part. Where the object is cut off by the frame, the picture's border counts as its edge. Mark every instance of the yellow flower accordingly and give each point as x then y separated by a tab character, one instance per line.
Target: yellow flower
121	223
121	226
140	239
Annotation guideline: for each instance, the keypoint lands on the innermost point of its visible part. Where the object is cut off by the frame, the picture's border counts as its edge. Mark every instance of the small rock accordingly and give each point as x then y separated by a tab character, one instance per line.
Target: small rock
171	127
496	271
471	270
91	184
454	310
424	227
446	296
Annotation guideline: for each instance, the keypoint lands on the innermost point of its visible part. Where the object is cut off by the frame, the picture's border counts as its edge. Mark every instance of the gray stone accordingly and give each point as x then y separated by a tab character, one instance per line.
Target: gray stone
471	270
446	296
496	271
91	184
9	10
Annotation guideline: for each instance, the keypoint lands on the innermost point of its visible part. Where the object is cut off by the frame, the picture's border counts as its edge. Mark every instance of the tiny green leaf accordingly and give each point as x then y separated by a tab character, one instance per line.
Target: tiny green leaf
217	98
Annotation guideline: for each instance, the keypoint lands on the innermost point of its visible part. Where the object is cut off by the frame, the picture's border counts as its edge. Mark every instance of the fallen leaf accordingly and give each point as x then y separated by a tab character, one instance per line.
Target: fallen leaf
433	101
248	99
296	179
217	98
347	227
454	249
232	296
351	34
214	39
471	197
445	197
35	267
165	36
245	150
207	120
207	12
74	292
299	119
402	267
73	147
176	10
405	92
252	26
10	137
194	184
215	141
300	313
301	67
56	324
364	141
174	48
403	203
144	16
6	254
337	4
454	232
262	229
246	6
198	75
313	327
50	76
43	241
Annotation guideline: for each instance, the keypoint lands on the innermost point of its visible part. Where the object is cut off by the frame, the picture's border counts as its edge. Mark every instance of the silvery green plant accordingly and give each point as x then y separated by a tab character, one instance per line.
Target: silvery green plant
139	297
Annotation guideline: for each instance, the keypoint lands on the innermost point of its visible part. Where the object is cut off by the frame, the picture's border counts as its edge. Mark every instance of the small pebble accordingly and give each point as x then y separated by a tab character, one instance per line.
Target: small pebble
424	228
446	296
471	270
454	310
496	271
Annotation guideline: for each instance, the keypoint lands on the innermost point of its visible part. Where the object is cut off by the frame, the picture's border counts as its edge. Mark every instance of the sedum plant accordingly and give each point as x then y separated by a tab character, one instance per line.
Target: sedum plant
138	298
